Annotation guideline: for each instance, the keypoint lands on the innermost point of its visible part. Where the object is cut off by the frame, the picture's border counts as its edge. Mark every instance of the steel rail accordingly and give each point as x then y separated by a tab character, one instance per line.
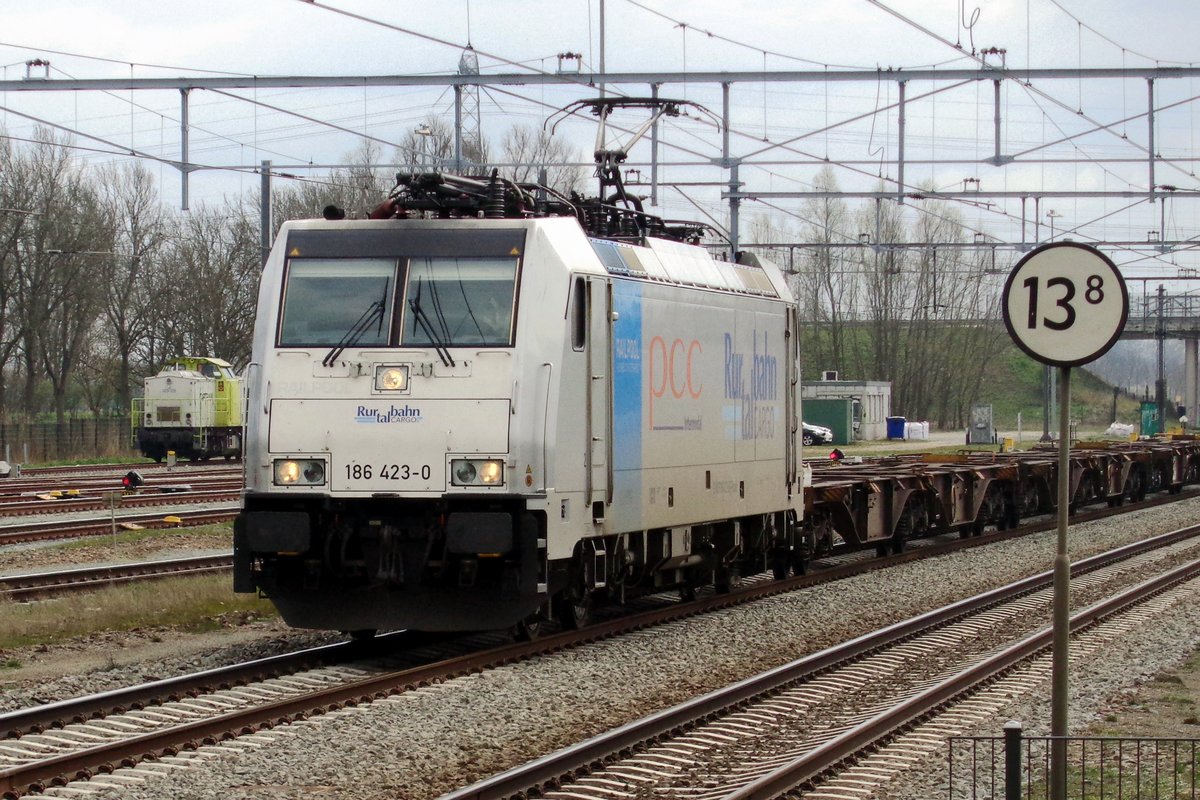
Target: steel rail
66	529
77	503
44	584
95	706
885	725
25	488
550	769
33	777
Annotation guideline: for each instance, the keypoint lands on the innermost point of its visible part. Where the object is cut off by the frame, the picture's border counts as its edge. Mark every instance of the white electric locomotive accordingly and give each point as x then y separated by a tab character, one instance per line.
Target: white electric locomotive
472	423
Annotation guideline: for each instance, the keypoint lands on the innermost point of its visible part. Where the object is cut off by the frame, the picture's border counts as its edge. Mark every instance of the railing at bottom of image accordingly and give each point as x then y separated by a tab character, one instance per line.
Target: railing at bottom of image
1017	767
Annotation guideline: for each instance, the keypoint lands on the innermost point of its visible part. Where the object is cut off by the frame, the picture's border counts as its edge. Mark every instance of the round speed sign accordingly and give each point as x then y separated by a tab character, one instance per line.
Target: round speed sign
1065	304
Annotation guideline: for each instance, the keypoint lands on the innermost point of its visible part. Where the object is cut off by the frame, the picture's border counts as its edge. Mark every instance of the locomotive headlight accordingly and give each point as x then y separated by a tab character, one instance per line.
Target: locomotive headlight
464	472
299	472
477	472
391	379
491	473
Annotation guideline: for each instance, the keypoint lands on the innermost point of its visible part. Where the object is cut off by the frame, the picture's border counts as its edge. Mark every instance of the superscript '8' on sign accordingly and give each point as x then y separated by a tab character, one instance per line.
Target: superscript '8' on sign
1065	304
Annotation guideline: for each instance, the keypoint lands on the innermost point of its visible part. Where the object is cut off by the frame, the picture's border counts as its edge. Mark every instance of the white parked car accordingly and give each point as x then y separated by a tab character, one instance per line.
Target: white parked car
816	434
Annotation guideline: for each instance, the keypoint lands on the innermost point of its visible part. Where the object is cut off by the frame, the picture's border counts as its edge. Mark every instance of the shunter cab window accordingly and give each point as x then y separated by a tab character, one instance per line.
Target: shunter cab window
327	300
459	301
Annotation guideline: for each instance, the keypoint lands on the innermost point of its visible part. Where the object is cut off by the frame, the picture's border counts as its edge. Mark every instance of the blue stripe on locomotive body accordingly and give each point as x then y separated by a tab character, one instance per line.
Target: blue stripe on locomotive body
628	393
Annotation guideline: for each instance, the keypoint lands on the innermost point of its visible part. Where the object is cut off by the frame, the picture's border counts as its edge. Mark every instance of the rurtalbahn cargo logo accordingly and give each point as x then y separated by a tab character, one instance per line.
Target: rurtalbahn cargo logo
754	410
392	415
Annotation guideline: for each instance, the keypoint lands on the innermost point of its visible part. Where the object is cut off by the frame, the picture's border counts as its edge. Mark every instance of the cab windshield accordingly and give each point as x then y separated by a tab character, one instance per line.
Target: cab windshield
451	302
446	302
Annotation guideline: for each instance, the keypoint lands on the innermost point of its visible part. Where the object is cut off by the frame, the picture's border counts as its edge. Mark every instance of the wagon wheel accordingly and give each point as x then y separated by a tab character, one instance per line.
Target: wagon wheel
1012	514
1135	487
903	532
991	511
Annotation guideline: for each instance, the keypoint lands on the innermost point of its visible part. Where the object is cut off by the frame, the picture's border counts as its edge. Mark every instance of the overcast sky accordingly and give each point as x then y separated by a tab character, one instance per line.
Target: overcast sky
294	37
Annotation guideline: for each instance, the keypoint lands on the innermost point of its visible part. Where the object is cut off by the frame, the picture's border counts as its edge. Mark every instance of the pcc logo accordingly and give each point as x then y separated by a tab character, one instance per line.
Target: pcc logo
392	415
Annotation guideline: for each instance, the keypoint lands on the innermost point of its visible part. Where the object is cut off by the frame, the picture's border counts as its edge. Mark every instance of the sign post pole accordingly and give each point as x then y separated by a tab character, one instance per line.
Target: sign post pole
1062	596
1064	304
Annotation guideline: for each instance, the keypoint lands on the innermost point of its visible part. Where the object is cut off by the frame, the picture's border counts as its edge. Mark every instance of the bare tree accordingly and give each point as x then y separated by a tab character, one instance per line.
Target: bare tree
138	224
97	372
885	290
74	302
827	279
355	189
430	147
13	219
209	285
533	151
55	301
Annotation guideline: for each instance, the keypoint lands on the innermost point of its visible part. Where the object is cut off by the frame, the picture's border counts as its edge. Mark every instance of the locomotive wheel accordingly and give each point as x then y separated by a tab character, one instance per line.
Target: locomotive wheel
782	560
574	606
687	589
531	627
574	609
729	578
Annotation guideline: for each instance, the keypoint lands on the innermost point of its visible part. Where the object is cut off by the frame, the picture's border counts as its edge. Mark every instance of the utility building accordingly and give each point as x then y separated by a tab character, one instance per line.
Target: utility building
867	404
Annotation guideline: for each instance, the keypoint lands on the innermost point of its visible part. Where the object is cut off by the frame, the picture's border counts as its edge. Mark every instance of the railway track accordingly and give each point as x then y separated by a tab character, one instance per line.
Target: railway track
145	467
55	583
103	523
50	584
64	503
101	744
796	726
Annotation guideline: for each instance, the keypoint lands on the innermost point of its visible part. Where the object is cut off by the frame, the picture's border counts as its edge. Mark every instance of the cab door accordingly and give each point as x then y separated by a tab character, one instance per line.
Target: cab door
598	312
792	400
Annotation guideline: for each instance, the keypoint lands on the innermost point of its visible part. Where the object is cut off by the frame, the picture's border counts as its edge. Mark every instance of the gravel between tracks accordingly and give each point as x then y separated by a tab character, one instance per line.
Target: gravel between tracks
423	743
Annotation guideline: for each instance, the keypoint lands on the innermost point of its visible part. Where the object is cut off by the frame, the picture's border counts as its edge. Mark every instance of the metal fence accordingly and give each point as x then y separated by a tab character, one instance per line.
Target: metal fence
92	437
1017	767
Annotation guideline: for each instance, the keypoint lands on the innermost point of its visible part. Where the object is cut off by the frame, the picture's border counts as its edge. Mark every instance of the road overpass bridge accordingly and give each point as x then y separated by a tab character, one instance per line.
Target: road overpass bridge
1161	316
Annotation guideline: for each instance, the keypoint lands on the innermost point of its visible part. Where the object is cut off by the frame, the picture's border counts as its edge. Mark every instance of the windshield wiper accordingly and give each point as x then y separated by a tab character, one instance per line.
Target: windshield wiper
373	315
422	318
